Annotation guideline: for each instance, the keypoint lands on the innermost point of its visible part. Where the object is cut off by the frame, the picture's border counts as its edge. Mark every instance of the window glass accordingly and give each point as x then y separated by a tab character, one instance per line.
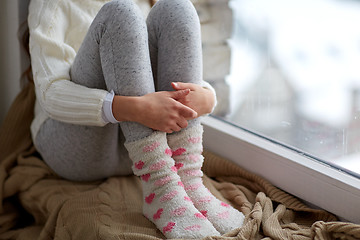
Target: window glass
295	75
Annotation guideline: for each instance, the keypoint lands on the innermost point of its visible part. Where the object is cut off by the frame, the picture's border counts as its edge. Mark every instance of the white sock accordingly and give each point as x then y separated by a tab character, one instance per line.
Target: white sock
187	150
166	203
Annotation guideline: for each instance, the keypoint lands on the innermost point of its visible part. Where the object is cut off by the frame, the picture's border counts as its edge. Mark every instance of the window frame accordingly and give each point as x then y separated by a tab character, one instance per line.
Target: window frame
331	189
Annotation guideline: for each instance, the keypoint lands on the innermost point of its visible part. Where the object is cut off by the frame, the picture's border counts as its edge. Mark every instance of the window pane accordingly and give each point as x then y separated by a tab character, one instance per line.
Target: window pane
295	75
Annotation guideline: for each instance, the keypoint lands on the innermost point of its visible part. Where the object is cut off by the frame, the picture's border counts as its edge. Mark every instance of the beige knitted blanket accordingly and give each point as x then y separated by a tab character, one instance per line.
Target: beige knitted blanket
36	204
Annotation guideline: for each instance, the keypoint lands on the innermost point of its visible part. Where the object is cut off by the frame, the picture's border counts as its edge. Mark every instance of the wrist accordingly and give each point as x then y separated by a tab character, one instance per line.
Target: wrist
125	108
210	100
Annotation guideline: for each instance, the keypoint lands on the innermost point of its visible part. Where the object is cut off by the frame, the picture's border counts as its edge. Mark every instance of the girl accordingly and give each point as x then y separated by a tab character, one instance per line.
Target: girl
105	107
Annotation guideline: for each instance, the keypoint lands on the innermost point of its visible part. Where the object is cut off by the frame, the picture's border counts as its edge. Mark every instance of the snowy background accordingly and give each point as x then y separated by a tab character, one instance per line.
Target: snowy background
295	74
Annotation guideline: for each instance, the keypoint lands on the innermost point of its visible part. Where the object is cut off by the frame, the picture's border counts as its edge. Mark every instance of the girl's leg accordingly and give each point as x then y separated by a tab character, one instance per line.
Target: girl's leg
114	56
165	202
187	152
118	42
175	44
125	61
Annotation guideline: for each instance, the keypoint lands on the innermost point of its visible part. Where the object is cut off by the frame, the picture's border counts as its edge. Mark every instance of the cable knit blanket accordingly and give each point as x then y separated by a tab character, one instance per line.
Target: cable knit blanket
37	204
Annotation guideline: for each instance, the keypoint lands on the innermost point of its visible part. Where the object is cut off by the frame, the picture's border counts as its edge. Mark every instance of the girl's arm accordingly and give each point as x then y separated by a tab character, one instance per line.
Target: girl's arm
51	58
64	100
160	110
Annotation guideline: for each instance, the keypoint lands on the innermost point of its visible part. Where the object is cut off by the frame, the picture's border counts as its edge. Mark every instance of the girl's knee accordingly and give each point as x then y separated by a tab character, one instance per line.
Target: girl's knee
122	9
175	13
183	8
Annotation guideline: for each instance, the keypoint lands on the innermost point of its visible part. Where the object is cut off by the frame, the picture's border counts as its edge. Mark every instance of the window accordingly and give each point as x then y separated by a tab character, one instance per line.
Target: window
294	104
296	75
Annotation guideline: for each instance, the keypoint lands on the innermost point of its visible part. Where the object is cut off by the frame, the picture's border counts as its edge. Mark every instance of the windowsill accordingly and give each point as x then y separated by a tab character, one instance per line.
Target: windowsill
330	189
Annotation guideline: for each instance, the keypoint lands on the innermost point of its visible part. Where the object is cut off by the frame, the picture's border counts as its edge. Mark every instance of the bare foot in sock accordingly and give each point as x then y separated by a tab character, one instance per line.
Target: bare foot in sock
166	203
187	152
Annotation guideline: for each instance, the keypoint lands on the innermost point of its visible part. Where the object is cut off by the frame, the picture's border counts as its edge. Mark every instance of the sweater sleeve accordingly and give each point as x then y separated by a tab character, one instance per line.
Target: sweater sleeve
51	59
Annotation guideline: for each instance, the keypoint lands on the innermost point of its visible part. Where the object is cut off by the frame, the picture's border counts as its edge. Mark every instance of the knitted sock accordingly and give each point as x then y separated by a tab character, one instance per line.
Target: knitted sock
166	203
187	149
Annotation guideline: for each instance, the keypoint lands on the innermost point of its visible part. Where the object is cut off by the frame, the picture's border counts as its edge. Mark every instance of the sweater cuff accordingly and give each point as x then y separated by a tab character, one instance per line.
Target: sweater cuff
107	113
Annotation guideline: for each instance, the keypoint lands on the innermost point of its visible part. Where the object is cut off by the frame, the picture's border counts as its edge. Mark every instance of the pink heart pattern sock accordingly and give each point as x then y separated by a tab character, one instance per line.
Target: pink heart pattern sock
165	201
187	150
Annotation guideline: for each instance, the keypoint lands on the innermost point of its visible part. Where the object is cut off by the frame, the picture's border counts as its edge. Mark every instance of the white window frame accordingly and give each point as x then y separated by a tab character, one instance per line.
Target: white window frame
312	181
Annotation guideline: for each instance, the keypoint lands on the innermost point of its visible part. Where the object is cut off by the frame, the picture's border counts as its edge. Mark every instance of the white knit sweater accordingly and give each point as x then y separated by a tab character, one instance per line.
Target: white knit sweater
57	29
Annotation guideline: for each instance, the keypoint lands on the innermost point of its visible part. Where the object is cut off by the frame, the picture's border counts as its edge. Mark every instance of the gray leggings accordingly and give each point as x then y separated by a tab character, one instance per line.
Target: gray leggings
133	57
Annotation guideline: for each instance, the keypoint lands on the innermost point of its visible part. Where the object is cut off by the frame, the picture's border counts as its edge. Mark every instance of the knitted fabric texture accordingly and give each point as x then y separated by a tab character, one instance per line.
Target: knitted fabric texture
165	201
112	208
187	150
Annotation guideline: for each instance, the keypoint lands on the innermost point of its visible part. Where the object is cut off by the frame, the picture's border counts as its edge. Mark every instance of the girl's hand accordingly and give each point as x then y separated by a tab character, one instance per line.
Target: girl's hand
201	100
161	111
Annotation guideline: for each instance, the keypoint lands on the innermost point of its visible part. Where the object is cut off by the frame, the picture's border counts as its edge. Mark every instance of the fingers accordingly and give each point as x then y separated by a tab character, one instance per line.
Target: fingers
182	86
187	112
177	126
184	111
167	111
179	94
182	123
179	121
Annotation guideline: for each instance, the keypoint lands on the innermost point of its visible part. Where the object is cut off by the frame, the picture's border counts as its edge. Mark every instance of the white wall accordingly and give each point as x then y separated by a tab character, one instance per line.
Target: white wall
12	14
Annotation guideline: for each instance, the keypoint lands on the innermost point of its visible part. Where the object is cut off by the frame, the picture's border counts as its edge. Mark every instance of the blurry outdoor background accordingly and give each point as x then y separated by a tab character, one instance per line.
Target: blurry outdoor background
295	75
